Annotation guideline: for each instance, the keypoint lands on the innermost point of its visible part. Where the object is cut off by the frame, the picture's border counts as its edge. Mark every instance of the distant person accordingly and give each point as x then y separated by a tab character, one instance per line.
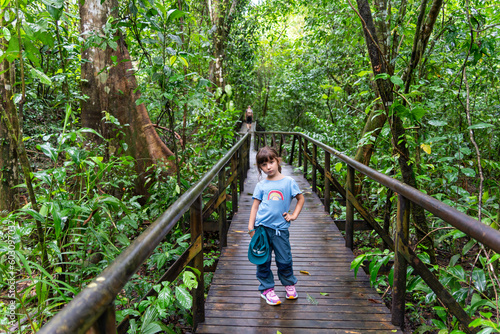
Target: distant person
269	214
249	118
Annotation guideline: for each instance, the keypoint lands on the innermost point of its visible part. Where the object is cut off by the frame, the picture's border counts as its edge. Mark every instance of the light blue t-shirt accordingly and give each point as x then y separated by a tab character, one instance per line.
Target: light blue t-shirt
275	197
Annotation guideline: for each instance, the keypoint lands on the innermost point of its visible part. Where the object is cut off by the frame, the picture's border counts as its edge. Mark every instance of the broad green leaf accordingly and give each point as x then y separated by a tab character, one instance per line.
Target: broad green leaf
338	166
165	298
54	3
494	258
435	122
363	73
32	52
480	126
37	216
48	150
479	279
56	216
189	279
382	76
458	272
469	172
418	112
41	76
152	328
397	81
113	45
6	34
12	51
356	264
174	14
55	12
183	297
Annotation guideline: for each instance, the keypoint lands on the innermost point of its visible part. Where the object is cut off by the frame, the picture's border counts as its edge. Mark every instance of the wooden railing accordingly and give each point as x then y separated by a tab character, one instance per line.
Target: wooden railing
93	311
305	151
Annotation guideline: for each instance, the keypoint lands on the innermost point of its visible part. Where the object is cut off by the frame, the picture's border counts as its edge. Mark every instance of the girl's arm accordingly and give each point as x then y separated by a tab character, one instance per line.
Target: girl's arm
253	214
298	208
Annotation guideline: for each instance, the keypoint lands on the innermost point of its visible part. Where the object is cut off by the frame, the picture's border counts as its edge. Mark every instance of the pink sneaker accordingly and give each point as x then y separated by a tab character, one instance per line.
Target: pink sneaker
270	297
291	293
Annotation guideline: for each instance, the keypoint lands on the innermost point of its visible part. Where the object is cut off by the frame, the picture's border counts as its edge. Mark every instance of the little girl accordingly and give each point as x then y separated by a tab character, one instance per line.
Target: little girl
272	198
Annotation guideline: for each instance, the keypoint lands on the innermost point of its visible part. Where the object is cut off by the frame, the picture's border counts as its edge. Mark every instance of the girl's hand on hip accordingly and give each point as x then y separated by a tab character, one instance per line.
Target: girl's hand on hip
288	217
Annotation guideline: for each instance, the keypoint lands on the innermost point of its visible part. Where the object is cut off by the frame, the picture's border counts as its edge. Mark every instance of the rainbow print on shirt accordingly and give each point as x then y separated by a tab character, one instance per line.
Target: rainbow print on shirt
275	195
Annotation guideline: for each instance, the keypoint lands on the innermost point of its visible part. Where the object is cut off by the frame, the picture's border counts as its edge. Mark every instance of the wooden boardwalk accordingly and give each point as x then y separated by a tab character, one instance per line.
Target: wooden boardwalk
330	299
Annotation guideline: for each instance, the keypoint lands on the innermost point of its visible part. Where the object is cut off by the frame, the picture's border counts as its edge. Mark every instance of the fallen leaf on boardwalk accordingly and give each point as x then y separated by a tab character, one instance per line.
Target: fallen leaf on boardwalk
324	293
312	300
305	272
237	231
375	301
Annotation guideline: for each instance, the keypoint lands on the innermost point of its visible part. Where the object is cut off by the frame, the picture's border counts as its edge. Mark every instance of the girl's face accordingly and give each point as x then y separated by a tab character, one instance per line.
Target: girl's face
270	168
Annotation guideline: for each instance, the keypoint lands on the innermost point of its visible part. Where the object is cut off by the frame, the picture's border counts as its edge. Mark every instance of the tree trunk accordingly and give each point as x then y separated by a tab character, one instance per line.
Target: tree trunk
378	55
112	87
266	100
384	87
221	17
9	168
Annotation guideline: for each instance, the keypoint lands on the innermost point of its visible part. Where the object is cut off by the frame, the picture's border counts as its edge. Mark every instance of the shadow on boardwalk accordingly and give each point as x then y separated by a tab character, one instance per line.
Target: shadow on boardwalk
330	299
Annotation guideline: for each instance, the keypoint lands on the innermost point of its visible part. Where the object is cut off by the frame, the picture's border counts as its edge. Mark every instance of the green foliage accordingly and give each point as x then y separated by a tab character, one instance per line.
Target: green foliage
170	299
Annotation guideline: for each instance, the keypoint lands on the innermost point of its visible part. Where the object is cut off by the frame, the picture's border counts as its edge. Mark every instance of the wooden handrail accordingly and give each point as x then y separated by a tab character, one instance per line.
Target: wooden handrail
93	306
405	255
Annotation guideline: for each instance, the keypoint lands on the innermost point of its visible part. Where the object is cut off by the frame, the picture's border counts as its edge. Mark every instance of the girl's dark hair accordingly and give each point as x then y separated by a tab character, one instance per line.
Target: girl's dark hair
267	154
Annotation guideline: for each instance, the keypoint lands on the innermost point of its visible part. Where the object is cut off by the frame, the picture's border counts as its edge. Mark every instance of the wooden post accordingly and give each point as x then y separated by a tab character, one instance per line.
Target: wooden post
196	215
300	151
326	201
304	149
349	210
273	137
280	153
314	168
264	138
248	145
234	184
222	209
290	161
400	264
241	167
106	323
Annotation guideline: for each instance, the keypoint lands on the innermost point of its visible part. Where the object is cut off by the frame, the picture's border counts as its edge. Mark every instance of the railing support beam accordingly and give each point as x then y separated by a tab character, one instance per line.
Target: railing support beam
196	220
349	210
326	196
314	168
400	264
222	209
106	323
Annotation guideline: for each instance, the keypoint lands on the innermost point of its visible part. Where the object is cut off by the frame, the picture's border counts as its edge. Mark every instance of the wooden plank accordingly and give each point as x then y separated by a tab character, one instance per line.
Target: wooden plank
251	330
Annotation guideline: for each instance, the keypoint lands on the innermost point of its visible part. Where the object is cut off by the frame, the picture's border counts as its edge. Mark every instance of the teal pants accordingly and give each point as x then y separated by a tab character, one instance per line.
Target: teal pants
279	242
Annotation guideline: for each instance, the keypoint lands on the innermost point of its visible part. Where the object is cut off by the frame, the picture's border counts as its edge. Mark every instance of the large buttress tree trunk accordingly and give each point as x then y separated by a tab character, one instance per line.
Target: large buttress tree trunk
384	87
112	87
